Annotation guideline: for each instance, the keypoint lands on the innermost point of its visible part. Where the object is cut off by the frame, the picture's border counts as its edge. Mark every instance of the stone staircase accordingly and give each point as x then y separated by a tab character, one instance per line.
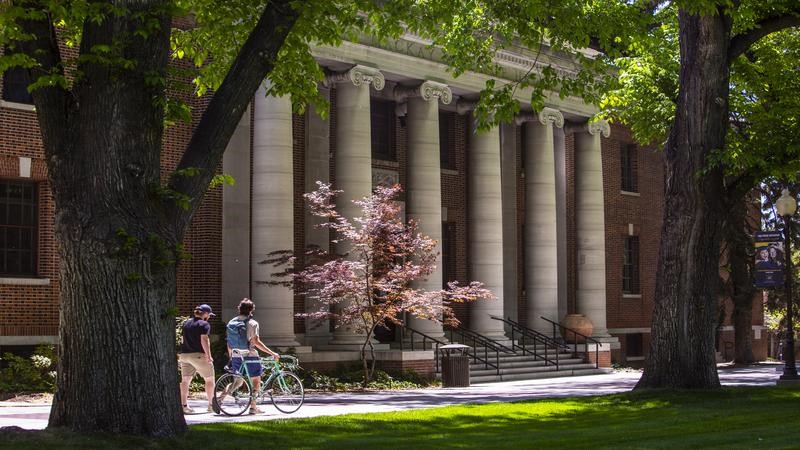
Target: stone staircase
522	366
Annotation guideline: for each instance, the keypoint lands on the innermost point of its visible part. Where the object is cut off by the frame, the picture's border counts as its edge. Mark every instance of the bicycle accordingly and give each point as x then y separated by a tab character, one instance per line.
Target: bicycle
233	391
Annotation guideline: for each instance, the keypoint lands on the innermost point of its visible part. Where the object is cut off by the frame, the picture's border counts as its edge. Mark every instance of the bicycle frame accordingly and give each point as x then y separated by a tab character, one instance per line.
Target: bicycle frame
268	364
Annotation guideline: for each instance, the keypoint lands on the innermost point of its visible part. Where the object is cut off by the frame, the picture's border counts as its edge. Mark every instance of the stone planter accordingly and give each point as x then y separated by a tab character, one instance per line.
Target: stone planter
579	323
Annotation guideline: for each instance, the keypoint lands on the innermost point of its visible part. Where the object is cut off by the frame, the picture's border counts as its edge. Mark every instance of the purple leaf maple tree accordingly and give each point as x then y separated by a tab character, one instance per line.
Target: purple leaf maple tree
370	284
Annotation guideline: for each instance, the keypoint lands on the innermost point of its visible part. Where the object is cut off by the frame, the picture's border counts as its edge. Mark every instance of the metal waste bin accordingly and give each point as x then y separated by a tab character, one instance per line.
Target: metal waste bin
455	365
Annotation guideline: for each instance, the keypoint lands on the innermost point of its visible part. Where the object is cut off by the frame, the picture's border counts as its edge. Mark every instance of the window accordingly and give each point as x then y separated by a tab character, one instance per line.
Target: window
630	266
628	164
633	345
15	86
448	253
446	156
18	228
382	123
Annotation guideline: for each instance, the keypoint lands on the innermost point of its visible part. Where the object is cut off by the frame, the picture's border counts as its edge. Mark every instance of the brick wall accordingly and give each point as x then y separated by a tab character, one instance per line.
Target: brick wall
644	211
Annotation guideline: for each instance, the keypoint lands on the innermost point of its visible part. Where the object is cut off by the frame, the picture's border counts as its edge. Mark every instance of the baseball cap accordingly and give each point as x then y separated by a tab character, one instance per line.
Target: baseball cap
205	308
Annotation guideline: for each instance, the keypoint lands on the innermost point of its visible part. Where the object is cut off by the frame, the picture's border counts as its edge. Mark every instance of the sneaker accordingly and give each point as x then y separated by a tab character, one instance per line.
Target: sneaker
187	409
255	410
210	408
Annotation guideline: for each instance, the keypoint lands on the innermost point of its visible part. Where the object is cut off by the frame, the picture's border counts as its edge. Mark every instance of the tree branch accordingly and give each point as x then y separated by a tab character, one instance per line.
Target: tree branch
218	123
741	42
52	103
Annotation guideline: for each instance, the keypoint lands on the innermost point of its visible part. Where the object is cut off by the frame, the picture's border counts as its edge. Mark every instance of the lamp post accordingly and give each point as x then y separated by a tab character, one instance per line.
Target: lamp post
787	206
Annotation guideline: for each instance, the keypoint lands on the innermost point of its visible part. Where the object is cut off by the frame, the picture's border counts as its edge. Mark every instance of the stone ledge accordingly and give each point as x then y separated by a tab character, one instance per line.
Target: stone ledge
26	281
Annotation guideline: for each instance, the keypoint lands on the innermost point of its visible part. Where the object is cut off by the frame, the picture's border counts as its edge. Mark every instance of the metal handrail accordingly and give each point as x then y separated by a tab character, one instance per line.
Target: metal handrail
435	343
575	334
487	344
471	351
537	337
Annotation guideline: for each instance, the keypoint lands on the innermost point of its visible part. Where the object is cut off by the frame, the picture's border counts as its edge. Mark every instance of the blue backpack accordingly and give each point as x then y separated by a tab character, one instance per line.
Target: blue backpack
237	334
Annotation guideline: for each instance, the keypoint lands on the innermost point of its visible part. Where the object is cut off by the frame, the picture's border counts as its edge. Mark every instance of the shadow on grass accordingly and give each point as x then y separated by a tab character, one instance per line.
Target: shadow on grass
727	418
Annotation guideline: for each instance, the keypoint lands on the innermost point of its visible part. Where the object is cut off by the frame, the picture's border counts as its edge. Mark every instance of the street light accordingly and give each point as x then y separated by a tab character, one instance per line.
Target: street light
787	206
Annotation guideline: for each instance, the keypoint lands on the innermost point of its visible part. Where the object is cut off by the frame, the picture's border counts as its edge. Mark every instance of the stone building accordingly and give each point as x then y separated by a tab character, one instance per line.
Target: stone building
555	214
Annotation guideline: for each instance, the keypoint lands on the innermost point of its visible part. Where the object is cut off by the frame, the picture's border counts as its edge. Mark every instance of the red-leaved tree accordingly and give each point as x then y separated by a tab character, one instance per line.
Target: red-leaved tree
370	284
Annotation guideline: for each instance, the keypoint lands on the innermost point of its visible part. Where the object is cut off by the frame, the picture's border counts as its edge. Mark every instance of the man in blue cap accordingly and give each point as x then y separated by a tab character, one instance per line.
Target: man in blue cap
195	355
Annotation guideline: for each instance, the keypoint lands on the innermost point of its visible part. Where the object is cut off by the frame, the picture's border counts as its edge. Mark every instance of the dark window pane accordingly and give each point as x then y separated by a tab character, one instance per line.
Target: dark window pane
12	238
382	129
12	262
633	344
630	266
629	168
18	228
15	214
15	86
27	193
14	192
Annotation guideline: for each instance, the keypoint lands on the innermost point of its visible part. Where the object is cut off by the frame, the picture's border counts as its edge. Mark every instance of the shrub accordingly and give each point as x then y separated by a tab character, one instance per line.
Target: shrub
34	374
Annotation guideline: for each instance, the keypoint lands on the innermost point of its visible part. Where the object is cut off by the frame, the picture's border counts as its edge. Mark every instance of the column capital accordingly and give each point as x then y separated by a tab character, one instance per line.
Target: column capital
599	126
427	90
551	116
358	75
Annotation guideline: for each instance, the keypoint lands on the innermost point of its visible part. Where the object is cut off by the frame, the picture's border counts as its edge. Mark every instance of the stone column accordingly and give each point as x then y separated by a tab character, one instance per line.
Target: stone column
272	216
317	168
353	165
424	190
485	236
541	251
236	220
509	177
590	220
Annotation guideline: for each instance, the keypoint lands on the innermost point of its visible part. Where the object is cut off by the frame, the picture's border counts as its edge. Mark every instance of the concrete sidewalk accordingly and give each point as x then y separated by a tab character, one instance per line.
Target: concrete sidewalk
34	416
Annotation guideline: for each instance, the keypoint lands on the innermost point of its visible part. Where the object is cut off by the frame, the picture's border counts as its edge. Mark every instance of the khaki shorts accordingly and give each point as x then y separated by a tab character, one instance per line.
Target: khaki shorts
191	363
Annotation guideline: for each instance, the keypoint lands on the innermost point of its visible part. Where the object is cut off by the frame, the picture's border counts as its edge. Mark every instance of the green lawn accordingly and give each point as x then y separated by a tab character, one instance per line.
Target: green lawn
729	418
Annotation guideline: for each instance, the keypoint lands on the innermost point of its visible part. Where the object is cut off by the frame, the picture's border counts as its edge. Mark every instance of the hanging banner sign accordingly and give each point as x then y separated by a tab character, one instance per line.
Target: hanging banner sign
769	264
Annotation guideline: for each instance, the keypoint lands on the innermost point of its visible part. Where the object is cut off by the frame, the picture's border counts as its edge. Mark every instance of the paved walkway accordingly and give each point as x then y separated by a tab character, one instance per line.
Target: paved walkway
34	416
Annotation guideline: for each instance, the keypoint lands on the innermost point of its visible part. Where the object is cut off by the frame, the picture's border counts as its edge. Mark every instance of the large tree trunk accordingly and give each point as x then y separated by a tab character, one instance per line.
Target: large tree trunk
117	369
682	344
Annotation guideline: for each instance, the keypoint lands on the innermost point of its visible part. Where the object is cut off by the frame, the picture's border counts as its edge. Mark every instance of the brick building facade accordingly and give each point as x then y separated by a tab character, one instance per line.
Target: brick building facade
609	226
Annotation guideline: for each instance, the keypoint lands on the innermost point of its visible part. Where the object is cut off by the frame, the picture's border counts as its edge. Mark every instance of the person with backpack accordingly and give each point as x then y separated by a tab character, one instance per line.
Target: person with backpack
242	336
195	355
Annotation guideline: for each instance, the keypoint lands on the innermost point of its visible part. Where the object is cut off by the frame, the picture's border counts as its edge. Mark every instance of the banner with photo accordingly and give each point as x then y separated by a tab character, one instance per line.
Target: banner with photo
770	262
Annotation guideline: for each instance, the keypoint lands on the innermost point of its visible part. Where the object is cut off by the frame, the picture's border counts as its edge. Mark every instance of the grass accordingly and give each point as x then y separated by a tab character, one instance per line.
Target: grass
728	418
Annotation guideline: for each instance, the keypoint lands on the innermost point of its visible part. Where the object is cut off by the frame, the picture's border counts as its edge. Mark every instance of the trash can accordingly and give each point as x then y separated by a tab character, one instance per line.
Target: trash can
455	365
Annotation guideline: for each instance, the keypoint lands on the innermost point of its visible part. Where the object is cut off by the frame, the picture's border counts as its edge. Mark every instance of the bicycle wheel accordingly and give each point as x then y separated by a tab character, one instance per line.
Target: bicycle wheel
286	392
232	394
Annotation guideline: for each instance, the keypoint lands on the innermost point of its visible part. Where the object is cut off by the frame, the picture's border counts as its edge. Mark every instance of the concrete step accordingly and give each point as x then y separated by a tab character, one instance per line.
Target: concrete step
527	363
537	369
536	375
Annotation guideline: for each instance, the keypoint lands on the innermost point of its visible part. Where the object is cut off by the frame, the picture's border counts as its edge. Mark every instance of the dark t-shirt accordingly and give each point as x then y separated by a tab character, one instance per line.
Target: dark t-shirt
192	330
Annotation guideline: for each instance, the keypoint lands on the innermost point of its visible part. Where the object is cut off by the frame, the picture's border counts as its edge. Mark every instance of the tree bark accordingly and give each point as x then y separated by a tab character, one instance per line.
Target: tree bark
682	344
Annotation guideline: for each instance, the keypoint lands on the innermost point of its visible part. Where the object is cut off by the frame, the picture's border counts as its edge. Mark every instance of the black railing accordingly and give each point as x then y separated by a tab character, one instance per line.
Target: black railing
567	332
529	336
424	340
434	344
477	340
